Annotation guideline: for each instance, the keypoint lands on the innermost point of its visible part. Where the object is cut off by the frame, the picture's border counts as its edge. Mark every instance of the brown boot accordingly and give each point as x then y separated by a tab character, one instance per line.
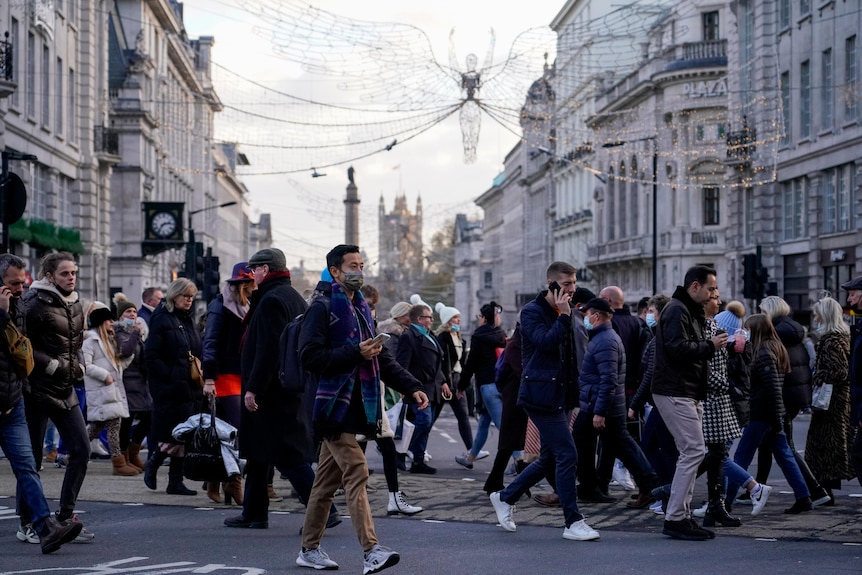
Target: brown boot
213	491
233	490
133	456
120	467
273	496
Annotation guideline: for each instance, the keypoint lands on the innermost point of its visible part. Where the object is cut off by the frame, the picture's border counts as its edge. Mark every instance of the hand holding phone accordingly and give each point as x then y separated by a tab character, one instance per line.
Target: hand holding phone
555	288
380	338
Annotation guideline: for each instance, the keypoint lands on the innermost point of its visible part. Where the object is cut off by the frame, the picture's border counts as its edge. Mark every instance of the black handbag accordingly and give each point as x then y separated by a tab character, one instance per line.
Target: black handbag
203	460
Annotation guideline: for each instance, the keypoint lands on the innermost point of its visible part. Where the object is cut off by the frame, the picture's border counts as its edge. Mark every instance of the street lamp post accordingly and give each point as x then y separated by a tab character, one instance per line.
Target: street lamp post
190	247
654	201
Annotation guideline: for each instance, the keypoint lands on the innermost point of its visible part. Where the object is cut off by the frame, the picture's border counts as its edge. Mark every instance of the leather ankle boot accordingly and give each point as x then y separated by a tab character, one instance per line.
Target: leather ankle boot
134	456
175	479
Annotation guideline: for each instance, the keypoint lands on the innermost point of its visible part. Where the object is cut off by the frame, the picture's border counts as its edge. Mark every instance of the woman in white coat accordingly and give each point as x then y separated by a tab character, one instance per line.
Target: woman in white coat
103	380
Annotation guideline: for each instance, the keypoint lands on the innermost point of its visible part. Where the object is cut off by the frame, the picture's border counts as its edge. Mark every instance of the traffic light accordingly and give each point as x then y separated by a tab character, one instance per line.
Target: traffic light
749	276
200	266
212	278
762	281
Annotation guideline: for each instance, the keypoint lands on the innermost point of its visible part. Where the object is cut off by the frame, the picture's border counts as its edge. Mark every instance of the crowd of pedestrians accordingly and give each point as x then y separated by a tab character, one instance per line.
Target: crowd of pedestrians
659	397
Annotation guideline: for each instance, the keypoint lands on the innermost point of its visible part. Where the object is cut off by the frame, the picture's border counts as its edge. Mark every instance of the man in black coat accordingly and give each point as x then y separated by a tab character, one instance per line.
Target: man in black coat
274	427
421	355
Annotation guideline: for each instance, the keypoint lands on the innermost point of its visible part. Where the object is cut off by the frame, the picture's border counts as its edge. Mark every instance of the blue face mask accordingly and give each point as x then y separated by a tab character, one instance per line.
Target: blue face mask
650	320
455	327
587	323
128	321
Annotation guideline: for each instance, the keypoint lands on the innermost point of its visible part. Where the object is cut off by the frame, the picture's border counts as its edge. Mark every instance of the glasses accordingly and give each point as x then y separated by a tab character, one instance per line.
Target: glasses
188	295
426	317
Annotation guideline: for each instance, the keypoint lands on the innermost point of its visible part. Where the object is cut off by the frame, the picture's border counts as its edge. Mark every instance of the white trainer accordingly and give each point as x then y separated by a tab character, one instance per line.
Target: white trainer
316	559
379	558
398	504
482	454
26	534
580	531
700	512
758	502
504	512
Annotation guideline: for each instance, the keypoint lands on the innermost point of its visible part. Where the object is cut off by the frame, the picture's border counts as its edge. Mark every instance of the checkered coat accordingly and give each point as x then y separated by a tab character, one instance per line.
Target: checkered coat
719	418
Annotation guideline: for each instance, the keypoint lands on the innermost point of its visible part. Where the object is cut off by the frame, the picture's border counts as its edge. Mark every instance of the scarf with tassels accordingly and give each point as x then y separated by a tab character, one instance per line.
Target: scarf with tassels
349	324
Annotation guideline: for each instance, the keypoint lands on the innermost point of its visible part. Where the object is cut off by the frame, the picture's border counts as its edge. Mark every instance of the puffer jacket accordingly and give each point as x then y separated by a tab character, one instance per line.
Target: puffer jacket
643	394
55	326
222	341
483	355
104	400
682	352
131	346
603	374
766	402
549	381
797	383
11	386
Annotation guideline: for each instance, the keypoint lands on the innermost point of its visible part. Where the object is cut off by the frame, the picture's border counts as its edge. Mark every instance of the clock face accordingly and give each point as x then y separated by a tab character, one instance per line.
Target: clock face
164	224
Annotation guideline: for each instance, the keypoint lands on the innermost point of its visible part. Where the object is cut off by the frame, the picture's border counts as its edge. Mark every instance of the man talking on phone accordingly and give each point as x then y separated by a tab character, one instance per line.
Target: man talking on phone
549	391
339	347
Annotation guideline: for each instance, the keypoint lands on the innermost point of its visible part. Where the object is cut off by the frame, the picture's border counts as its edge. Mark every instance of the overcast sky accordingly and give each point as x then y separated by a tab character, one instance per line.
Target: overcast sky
308	214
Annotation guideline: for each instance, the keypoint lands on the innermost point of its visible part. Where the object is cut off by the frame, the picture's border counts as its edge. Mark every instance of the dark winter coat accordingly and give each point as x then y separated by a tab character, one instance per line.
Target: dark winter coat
222	338
643	394
513	422
11	386
55	326
550	378
424	361
145	314
634	340
603	374
450	358
166	353
739	378
682	352
279	432
129	344
856	375
797	383
483	355
766	402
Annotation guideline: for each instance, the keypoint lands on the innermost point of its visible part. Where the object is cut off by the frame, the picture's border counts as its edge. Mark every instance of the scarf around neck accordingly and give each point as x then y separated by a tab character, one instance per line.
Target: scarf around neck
350	323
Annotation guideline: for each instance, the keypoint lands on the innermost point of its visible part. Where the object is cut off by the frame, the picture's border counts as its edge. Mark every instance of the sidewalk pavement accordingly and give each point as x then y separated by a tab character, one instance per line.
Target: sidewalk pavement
455	494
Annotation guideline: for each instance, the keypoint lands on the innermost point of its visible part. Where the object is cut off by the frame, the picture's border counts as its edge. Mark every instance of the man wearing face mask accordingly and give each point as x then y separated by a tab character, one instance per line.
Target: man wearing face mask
339	346
55	325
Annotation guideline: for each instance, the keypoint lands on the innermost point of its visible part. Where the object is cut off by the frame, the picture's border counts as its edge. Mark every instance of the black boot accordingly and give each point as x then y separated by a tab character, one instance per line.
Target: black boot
151	467
175	479
715	511
53	534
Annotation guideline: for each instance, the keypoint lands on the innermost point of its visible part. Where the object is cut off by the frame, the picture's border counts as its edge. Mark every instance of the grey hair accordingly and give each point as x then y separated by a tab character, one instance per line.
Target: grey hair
177	288
10	261
831	316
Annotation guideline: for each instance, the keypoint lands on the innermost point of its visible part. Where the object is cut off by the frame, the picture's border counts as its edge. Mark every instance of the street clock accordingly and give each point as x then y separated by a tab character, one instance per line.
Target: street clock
163	226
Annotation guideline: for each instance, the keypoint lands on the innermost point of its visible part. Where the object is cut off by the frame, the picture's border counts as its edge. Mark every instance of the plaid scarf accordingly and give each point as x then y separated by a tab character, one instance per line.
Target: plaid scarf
350	322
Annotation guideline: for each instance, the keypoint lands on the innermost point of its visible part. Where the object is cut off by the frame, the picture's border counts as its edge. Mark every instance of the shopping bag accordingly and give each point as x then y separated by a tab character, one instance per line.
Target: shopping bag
403	428
203	460
821	397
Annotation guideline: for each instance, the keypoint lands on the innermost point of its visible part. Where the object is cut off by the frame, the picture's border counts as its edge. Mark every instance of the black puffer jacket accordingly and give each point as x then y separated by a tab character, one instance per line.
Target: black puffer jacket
797	383
766	402
483	355
55	326
175	396
130	343
222	339
11	386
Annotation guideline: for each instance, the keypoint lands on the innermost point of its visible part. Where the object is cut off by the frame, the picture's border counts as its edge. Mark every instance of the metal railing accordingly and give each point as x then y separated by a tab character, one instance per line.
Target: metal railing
6	52
106	140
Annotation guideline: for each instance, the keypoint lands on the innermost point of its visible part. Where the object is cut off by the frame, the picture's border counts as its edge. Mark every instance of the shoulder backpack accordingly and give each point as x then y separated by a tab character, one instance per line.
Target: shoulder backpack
292	376
20	350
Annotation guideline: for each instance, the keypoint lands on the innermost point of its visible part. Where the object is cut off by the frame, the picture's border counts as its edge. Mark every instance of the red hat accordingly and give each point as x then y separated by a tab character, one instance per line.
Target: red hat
241	273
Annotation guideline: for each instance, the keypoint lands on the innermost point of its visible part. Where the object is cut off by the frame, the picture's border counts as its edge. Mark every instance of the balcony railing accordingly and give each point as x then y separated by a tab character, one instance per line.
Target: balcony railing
741	146
697	55
106	140
6	71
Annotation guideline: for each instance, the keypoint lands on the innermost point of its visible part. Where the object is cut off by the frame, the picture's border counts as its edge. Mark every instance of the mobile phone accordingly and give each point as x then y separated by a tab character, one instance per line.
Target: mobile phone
380	338
720	330
554	287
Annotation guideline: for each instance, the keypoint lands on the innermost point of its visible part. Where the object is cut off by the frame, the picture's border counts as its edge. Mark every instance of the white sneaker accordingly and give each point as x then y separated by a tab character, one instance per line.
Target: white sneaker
316	559
758	502
379	558
623	477
398	504
26	534
580	531
504	512
656	508
700	512
482	454
428	457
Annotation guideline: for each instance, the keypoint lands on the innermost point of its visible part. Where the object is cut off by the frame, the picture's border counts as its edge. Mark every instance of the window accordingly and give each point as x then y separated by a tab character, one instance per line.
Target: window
622	220
58	98
710	26
850	80
64	202
783	13
698	133
46	86
612	190
633	197
804	7
794	202
747	69
71	135
828	201
489	280
721	131
13	39
785	106
711	206
39	197
748	199
31	75
826	110
805	99
838	185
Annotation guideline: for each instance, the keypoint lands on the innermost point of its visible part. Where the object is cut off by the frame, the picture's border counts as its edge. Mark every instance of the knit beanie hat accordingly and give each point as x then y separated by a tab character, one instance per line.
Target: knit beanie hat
728	321
416	299
122	303
446	313
401	308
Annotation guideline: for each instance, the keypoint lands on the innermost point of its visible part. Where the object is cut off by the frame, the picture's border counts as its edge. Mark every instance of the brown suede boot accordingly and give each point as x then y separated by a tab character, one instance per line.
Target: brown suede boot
120	467
213	491
233	490
133	457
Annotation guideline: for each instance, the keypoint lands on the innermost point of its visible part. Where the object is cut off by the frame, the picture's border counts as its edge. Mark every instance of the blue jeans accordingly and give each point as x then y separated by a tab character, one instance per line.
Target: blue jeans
658	447
15	442
558	448
493	402
754	434
424	422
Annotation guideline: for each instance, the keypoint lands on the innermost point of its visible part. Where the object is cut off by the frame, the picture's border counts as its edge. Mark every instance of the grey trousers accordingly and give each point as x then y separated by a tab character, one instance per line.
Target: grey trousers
684	419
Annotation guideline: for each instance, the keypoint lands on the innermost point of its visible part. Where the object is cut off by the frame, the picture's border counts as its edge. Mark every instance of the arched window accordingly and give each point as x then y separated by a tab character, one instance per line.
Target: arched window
633	197
622	220
611	209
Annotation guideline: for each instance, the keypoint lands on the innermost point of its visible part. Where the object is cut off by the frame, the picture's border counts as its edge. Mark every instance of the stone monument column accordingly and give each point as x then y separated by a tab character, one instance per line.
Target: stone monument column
351	210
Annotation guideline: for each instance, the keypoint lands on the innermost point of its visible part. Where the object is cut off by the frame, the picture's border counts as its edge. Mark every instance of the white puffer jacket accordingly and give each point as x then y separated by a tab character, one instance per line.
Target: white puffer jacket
104	402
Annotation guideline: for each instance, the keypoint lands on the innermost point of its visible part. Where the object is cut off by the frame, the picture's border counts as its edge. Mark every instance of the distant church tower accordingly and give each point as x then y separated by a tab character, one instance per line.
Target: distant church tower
351	211
401	260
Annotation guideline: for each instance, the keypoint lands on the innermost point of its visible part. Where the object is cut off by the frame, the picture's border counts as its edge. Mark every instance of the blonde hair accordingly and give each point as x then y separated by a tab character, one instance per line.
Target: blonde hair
773	306
177	288
110	343
763	335
831	316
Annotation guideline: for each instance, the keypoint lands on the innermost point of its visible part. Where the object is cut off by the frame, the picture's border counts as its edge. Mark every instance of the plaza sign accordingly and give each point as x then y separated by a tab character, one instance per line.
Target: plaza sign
709	89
